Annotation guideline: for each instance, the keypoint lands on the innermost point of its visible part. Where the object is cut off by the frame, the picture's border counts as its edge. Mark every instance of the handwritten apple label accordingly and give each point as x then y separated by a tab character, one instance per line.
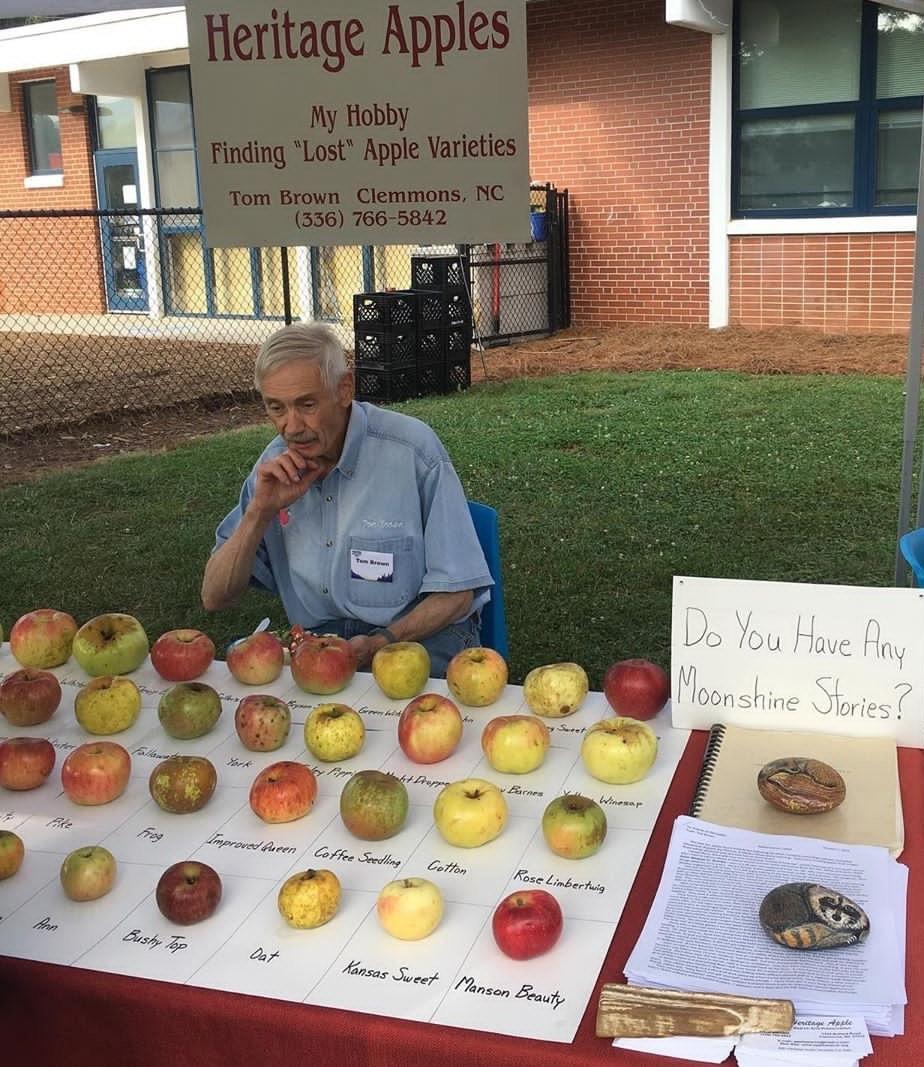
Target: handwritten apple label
233	761
619	802
403	974
219	840
448	867
518	791
59	823
151	834
587	886
345	856
260	956
172	943
45	924
554	1000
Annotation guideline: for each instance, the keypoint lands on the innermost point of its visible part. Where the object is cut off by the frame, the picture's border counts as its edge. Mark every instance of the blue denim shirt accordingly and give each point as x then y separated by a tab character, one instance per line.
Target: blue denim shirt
393	492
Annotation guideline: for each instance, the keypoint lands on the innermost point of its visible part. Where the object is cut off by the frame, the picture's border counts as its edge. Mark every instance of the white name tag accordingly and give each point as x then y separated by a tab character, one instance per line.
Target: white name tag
372	566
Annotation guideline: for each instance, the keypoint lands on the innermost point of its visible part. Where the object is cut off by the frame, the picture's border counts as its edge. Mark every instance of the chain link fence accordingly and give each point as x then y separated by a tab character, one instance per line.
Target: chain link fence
102	312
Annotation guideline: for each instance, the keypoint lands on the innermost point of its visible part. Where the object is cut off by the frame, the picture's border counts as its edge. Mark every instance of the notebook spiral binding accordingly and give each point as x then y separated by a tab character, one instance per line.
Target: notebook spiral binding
716	736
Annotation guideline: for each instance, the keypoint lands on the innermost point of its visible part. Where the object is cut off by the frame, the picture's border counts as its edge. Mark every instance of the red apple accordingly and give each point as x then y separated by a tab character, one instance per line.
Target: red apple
181	655
283	792
262	722
429	728
43	638
636	688
188	892
527	923
256	659
323	664
96	772
29	696
25	762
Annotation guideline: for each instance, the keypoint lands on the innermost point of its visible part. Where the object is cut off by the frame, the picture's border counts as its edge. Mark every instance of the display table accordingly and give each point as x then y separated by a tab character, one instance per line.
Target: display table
51	1014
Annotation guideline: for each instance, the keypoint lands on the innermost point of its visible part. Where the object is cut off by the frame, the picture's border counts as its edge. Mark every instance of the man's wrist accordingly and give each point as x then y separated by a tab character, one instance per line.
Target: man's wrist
383	631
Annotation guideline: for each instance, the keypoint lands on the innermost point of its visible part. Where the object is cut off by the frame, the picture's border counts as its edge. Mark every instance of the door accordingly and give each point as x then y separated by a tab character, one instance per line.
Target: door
121	236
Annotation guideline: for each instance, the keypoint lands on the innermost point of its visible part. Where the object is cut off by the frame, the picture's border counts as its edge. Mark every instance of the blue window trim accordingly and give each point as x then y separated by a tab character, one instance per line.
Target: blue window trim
34	169
865	112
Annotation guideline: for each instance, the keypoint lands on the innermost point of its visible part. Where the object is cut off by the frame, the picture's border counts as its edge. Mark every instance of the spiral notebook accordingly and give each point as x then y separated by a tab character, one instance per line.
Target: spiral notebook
871	813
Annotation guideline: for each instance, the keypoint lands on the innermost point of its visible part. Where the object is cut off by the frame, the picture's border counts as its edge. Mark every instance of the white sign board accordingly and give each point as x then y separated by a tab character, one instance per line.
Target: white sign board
785	655
324	123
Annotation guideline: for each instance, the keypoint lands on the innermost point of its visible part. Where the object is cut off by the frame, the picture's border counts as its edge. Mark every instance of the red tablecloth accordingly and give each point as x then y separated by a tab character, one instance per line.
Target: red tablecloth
64	1015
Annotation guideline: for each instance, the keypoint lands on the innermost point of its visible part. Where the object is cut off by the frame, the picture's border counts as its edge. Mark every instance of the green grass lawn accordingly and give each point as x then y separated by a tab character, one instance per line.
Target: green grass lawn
607	485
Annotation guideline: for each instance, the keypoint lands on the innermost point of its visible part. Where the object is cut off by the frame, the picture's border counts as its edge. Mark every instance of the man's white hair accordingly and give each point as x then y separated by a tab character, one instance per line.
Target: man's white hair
313	342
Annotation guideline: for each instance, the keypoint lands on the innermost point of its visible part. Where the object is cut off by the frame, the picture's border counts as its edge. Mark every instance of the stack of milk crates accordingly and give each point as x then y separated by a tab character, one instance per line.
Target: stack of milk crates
416	341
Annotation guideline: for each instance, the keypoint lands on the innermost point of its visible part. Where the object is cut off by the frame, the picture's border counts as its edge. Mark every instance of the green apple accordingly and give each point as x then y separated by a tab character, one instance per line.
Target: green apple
334	732
189	709
111	644
107	705
88	873
619	750
401	669
12	851
374	805
574	826
182	784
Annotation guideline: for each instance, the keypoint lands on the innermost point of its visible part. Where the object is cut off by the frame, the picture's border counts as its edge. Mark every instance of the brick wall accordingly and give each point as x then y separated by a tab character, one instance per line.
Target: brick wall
839	283
29	247
619	115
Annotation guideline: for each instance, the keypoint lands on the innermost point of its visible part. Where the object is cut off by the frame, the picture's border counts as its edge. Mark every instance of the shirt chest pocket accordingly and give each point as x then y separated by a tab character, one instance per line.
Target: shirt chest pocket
384	572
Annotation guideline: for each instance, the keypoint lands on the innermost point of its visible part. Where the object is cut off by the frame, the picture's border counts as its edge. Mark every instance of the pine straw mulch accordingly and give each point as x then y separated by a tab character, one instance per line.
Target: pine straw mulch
25	456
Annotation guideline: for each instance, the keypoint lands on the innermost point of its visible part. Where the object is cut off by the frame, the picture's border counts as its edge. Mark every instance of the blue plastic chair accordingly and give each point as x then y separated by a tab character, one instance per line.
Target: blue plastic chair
912	547
493	616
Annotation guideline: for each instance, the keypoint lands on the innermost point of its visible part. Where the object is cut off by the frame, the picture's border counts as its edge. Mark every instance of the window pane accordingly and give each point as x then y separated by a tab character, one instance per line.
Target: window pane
797	163
116	121
900	69
793	52
173	123
899	154
176	179
44	132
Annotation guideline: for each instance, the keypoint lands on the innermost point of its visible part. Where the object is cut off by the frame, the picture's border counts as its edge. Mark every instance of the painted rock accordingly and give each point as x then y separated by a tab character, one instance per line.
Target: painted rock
801	786
805	916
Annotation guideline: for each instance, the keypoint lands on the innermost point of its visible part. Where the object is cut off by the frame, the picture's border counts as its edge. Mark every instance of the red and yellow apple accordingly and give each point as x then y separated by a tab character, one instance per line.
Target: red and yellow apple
334	732
12	853
619	750
107	705
189	710
409	909
527	923
188	892
515	744
374	805
573	826
256	659
181	655
401	669
309	899
25	762
29	696
43	638
323	663
182	784
470	813
555	690
262	722
88	873
476	676
430	728
283	792
636	688
96	773
114	643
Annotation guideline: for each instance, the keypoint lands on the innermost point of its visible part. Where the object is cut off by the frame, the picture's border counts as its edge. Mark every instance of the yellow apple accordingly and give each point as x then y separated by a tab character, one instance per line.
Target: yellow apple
309	899
470	813
401	669
515	744
476	676
107	705
334	732
619	750
555	690
410	908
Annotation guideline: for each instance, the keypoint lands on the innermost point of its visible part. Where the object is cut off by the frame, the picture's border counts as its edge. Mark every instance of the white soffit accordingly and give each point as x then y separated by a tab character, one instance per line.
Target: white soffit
710	16
91	37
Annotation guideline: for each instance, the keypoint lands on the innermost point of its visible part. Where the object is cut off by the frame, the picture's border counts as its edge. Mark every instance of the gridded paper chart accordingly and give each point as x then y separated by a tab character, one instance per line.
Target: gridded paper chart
455	977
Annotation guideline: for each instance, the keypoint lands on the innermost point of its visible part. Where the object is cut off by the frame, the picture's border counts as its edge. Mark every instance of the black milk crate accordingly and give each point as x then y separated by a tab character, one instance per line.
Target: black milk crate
442	273
386	381
385	346
442	309
431	344
458	374
385	309
431	377
458	342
